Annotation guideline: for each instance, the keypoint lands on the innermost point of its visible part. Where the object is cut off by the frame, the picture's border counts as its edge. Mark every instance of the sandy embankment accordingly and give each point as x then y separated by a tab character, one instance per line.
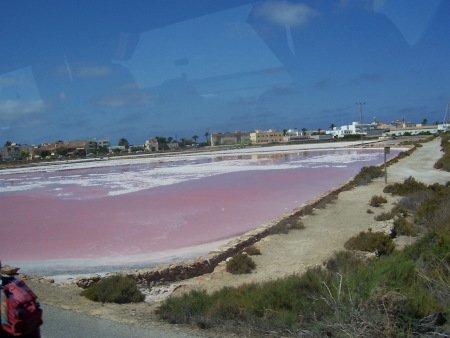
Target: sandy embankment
327	229
325	232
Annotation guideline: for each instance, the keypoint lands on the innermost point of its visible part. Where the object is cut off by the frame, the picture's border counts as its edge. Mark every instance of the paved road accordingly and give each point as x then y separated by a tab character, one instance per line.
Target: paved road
68	324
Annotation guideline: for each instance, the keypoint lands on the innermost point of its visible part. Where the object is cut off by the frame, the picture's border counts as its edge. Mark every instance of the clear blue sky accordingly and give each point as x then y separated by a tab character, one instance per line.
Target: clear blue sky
138	69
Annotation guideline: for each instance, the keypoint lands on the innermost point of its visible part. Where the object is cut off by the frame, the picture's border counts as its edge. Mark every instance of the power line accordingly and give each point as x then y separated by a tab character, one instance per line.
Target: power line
360	104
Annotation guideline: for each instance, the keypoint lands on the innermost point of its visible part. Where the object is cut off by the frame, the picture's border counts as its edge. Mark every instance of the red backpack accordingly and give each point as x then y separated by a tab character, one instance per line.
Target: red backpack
20	312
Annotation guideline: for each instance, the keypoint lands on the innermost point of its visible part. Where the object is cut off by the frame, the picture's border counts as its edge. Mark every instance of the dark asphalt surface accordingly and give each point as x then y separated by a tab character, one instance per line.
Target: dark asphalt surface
60	323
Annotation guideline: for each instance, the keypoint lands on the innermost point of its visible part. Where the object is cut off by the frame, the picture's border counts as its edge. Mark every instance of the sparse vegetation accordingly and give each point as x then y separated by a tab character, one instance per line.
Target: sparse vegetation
400	294
369	211
367	174
444	162
403	227
376	201
413	200
240	264
397	210
409	186
114	289
252	250
377	242
384	216
287	224
343	262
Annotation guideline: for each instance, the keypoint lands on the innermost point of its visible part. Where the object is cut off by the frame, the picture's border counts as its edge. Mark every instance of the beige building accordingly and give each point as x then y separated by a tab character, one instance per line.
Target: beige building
266	136
151	145
222	139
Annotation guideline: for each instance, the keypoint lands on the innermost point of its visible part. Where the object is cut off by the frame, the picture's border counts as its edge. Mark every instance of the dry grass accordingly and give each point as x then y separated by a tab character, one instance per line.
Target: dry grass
239	264
252	251
377	200
286	225
377	242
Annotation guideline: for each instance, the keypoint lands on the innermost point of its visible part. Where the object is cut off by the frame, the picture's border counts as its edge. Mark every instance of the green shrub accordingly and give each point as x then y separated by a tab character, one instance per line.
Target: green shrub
369	241
413	200
114	289
287	224
444	162
240	264
397	210
275	305
403	227
367	174
369	211
409	186
384	216
376	201
343	262
252	250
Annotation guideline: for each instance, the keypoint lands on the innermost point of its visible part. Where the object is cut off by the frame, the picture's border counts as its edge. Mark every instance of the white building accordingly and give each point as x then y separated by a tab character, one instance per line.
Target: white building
103	143
151	145
293	132
415	130
356	128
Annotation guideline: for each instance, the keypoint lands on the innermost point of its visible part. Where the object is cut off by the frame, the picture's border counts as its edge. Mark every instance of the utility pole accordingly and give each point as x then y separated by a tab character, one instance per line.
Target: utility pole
448	112
360	104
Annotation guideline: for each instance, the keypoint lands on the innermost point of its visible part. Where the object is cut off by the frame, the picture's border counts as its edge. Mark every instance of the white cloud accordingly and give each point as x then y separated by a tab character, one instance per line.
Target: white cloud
14	109
286	13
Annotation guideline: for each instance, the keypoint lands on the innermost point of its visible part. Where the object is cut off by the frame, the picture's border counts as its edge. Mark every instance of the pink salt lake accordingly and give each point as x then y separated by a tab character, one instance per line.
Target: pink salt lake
138	212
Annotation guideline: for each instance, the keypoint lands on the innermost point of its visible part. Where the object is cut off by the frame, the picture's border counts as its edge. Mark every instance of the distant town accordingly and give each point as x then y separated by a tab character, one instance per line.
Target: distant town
12	151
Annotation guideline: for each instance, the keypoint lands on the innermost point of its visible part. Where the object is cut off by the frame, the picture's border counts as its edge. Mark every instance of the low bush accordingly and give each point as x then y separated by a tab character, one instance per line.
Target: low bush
444	162
384	216
376	201
413	200
434	211
367	174
397	210
343	262
287	224
114	289
240	264
252	250
409	186
369	241
403	227
369	211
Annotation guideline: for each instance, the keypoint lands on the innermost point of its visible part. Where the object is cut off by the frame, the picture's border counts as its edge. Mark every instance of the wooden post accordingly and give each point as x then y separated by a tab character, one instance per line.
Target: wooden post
387	150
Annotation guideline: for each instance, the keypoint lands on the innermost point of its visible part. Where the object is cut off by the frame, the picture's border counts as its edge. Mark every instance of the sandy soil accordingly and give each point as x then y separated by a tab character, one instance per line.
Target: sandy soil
327	229
325	232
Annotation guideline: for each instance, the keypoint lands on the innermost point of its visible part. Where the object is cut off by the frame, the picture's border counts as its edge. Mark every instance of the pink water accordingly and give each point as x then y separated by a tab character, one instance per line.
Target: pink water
85	222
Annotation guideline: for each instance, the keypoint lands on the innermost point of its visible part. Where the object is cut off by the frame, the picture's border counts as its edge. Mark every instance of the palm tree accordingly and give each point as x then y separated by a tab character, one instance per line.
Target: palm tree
424	122
124	143
195	137
304	131
206	136
332	126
